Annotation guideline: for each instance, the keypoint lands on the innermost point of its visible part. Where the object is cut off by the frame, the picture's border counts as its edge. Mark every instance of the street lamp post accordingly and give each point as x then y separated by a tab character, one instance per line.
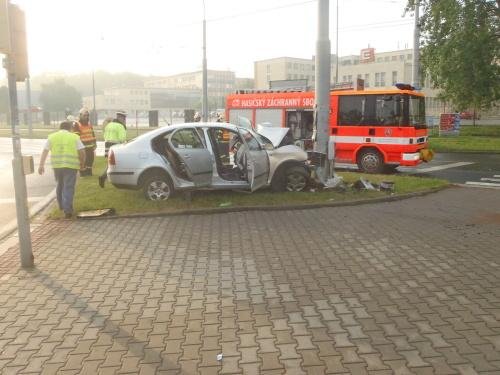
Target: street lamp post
204	96
416	48
94	112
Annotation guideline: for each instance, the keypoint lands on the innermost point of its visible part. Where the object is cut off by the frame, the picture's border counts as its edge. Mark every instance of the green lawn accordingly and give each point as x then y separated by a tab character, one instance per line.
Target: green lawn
470	139
89	196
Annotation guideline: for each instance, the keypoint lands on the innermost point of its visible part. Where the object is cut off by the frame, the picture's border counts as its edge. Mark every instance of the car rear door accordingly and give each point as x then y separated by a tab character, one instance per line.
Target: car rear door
257	161
193	154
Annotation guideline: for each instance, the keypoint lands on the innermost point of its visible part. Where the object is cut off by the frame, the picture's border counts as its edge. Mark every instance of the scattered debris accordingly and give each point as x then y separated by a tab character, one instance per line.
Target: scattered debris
96	213
225	204
387	186
363	184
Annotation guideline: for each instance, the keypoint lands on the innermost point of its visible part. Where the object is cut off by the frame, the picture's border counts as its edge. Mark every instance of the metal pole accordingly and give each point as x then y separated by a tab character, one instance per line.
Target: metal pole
337	47
28	102
416	49
23	223
94	119
204	103
322	88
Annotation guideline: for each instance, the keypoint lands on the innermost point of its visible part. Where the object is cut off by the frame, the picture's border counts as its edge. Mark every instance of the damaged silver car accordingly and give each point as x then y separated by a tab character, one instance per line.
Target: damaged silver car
207	156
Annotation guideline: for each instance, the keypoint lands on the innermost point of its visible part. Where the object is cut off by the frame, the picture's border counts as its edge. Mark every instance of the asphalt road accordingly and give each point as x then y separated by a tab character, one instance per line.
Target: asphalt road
38	187
462	168
481	170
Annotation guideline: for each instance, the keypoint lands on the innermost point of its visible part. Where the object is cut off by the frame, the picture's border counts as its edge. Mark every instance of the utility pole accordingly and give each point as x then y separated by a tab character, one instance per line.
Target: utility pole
204	103
337	47
28	104
416	49
94	112
16	65
322	92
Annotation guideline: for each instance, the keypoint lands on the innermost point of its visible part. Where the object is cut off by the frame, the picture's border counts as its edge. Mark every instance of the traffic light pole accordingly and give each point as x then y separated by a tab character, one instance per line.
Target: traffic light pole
23	223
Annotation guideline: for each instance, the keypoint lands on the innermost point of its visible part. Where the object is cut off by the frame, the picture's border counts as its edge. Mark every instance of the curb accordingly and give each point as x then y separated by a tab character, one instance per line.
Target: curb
10	227
209	211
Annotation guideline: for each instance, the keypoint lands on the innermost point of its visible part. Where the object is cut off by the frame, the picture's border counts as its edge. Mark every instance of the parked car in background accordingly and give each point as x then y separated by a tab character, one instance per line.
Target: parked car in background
467	115
206	156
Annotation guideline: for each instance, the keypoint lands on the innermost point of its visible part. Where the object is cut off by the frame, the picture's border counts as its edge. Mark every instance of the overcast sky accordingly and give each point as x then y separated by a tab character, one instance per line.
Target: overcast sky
163	37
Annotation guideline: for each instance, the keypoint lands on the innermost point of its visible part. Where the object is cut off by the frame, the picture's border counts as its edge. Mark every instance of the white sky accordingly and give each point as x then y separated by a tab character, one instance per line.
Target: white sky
162	37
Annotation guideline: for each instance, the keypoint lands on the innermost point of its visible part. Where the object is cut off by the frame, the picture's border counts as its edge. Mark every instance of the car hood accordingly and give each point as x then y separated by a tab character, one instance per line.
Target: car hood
275	135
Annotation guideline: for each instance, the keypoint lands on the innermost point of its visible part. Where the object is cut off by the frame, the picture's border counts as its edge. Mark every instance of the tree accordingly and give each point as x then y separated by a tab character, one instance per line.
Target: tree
460	50
59	96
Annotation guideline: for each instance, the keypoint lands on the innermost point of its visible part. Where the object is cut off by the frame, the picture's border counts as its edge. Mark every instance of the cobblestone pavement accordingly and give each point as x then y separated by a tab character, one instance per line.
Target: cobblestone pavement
393	288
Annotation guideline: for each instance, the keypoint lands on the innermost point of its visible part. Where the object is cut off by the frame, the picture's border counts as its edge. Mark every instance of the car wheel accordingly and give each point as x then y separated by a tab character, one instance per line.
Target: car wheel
157	188
296	179
370	161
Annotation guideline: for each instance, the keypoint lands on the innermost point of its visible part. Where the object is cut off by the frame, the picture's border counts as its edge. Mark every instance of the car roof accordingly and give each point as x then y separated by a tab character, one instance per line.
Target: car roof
224	125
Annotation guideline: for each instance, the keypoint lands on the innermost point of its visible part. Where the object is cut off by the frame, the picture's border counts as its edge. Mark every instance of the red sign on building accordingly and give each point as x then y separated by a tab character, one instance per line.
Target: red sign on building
367	55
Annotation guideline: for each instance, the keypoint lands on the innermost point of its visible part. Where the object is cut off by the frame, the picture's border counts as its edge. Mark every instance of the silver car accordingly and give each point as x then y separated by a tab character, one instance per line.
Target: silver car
207	156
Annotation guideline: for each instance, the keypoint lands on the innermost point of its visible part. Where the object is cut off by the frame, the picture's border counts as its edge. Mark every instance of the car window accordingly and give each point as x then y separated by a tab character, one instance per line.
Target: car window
250	140
186	138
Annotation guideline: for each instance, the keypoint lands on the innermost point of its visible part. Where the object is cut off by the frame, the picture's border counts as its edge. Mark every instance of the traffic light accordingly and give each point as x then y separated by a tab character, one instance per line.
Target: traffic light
18	50
4	27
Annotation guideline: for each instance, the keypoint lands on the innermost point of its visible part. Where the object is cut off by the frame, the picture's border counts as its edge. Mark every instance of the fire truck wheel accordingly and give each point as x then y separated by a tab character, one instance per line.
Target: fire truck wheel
370	161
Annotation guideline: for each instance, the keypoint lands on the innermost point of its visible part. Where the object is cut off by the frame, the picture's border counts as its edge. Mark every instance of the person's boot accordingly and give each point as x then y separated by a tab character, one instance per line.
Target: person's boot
102	180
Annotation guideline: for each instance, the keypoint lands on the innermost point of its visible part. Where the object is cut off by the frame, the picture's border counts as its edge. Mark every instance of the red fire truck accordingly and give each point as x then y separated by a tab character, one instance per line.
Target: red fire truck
378	130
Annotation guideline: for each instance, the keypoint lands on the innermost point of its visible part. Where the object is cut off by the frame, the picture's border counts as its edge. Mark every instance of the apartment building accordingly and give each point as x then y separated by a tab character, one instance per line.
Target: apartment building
219	84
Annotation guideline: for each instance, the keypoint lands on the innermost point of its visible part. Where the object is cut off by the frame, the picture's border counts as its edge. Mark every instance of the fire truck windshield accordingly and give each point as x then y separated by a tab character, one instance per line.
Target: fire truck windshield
417	111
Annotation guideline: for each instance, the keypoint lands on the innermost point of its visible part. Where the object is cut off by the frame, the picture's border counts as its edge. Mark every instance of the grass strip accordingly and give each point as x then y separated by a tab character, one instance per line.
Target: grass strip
89	196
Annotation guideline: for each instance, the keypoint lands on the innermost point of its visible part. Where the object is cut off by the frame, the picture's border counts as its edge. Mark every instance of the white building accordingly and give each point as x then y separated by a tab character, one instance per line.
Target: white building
378	70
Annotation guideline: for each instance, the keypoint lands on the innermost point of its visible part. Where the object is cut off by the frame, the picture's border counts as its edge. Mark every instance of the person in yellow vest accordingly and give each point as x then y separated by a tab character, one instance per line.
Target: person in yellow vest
115	133
67	156
84	129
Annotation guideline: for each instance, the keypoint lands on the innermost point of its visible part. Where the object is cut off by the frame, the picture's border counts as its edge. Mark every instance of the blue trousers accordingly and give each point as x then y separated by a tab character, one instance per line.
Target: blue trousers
65	190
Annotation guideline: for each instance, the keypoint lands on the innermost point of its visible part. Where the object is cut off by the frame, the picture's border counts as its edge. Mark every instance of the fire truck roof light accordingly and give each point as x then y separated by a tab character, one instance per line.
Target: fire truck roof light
404	86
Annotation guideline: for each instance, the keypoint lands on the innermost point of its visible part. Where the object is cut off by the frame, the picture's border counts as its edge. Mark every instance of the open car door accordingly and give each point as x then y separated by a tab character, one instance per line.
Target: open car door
257	161
195	159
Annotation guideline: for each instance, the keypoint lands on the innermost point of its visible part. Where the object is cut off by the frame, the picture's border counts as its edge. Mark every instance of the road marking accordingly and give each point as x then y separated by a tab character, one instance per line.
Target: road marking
482	184
441	167
497	175
490	179
13	200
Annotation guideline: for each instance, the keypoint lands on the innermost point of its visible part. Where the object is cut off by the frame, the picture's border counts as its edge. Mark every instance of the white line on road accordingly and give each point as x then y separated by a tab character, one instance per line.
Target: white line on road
483	184
441	167
497	175
13	200
491	179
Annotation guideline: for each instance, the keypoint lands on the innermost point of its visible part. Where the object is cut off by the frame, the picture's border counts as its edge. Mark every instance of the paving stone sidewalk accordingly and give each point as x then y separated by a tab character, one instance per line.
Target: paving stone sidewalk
408	287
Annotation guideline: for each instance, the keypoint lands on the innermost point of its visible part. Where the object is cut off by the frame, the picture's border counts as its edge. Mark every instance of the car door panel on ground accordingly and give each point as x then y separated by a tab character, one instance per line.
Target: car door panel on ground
194	156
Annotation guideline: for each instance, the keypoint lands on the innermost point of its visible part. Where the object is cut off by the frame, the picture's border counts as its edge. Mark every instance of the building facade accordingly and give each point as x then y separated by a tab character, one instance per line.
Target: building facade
219	84
378	70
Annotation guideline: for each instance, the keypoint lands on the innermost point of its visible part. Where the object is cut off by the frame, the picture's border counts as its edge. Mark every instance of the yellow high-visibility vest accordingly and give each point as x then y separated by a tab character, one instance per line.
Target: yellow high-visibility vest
63	150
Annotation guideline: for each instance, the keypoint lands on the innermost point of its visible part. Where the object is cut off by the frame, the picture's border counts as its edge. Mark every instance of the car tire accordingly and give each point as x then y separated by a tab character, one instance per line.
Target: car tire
157	187
290	179
370	161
